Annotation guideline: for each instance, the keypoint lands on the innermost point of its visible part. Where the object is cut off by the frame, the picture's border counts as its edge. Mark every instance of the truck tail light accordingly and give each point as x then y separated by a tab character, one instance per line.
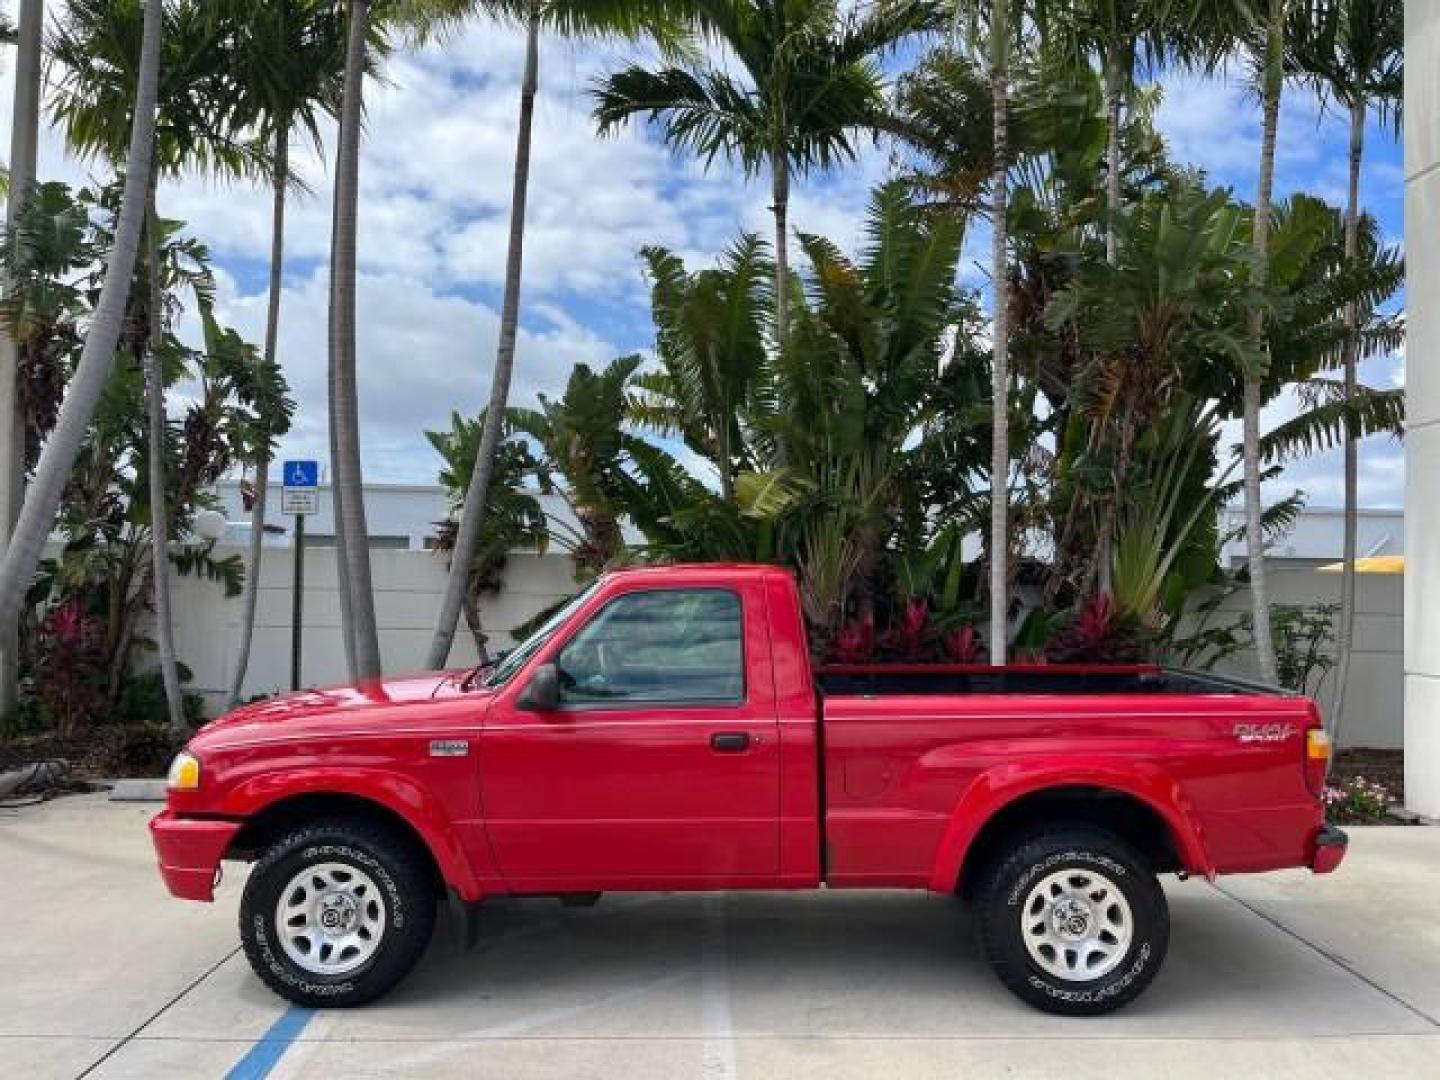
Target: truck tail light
1318	749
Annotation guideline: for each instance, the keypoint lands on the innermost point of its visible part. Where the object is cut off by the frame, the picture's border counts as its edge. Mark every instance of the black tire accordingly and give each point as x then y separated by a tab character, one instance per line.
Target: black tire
387	857
1006	885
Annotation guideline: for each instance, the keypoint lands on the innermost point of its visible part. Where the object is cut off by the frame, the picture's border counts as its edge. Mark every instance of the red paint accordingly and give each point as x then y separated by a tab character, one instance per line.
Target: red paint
189	851
637	797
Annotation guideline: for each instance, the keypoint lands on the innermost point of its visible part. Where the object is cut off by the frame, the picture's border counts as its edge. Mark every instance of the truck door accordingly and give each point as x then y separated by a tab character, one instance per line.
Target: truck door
660	765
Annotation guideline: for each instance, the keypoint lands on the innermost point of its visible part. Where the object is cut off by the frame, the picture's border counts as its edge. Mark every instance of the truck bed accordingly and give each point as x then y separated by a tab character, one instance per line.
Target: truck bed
875	680
902	743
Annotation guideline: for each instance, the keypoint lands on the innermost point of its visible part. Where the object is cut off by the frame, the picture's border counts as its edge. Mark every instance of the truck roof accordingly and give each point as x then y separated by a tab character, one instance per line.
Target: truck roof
700	568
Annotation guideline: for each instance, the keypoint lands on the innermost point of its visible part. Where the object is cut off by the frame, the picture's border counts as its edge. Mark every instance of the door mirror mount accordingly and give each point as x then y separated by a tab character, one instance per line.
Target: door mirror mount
542	692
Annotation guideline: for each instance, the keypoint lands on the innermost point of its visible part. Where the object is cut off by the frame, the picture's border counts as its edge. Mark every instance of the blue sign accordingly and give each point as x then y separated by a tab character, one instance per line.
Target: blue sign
301	474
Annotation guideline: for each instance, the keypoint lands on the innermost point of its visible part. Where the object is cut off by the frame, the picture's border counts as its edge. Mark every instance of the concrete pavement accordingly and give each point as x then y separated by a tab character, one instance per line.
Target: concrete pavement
102	975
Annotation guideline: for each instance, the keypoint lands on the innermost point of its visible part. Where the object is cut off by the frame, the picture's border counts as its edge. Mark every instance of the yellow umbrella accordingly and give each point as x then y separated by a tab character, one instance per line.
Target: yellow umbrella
1372	564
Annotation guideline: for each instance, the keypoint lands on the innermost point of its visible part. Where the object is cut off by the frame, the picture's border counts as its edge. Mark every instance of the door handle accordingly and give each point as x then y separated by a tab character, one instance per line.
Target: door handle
730	742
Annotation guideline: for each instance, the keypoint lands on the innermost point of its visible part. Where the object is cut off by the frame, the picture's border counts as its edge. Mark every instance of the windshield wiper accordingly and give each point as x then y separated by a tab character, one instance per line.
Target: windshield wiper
468	683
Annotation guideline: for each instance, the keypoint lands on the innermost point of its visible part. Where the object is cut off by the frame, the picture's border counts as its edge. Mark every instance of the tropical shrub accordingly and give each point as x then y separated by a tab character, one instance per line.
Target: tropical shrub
1100	633
234	407
1356	801
1303	636
70	676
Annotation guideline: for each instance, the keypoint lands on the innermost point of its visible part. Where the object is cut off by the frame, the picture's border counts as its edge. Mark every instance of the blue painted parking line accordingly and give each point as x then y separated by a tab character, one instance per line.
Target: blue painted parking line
266	1054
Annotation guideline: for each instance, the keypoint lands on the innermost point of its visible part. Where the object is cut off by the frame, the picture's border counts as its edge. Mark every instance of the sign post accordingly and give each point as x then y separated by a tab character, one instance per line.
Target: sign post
299	497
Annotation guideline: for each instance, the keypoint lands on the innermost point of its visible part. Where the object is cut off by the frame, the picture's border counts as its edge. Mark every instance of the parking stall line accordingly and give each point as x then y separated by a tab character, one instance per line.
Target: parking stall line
718	1062
260	1060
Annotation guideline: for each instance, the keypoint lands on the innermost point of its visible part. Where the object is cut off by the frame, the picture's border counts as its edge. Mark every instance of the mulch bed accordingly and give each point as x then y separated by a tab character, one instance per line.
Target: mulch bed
98	754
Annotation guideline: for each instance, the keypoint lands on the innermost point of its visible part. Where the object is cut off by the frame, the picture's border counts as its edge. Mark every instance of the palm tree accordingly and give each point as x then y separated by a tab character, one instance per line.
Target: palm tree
1270	70
710	341
1353	52
194	129
42	499
24	131
812	84
1122	36
572	17
351	535
583	451
288	57
1259	29
513	515
352	545
1003	25
1000	33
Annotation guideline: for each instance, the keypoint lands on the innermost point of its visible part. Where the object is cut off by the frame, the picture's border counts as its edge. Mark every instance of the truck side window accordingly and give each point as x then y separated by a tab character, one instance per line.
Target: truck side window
663	645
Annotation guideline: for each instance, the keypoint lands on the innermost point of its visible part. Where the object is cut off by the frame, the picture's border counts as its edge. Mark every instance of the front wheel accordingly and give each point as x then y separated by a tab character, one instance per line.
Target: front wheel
337	912
1073	921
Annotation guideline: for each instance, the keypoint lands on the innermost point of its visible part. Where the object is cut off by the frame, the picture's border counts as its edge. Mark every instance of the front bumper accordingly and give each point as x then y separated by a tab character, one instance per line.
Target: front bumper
1328	849
189	851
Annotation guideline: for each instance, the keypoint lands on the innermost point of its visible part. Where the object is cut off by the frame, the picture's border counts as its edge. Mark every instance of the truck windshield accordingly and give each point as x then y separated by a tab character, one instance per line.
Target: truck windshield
505	670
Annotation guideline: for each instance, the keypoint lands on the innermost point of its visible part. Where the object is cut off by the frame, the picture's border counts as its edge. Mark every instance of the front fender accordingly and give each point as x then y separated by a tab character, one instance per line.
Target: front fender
396	792
1001	785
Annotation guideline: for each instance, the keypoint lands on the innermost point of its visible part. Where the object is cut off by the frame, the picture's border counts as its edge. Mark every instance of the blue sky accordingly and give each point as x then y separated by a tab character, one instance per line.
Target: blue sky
436	173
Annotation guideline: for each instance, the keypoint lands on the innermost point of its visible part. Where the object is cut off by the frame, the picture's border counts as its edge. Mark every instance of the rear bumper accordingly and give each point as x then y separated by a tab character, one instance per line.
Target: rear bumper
189	851
1328	849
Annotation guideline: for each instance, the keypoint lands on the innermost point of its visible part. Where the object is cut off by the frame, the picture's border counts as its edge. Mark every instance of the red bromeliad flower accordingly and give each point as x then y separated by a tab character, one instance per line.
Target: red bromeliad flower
907	634
67	625
963	645
855	643
1093	623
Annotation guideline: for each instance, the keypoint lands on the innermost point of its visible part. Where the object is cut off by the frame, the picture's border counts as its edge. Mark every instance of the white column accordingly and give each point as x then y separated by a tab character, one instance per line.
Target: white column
1422	444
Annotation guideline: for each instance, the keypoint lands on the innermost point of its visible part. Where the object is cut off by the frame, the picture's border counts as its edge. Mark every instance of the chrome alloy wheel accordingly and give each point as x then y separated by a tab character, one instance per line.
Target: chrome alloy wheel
1077	925
330	918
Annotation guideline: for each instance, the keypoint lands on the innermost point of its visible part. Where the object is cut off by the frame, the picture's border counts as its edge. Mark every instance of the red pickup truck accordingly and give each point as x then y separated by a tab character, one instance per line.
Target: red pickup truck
666	731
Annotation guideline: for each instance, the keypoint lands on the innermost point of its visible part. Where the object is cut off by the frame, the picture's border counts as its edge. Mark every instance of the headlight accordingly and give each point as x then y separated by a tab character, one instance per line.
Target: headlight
184	772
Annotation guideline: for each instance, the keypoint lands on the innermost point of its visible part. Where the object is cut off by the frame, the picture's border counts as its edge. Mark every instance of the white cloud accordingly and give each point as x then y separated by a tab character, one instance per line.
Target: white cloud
422	355
435	188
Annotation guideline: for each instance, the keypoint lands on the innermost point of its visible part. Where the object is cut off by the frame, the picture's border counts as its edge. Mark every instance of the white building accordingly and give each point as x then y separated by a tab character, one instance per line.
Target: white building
1422	390
398	517
1318	536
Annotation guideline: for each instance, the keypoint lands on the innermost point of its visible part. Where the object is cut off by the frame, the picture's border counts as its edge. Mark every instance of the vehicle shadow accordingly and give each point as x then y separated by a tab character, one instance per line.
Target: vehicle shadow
890	964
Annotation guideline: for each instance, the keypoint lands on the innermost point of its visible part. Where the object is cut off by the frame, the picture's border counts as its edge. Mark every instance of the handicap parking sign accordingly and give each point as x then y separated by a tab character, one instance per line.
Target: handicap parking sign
302	474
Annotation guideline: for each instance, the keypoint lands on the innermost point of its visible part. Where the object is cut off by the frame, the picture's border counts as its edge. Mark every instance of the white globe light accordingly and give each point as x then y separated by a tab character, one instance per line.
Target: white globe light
210	525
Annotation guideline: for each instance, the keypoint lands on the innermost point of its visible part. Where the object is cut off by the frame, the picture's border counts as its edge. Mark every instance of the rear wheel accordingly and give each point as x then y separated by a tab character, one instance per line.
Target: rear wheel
1073	921
337	912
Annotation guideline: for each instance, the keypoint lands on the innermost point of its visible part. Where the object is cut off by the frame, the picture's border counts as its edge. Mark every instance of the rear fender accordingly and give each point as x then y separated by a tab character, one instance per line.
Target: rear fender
394	791
998	787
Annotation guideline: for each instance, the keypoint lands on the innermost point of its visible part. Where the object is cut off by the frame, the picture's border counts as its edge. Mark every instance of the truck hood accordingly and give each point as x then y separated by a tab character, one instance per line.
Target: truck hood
347	702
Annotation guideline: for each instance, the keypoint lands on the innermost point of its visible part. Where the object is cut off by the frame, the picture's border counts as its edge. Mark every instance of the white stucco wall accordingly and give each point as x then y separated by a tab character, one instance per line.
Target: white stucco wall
1422	441
408	586
1374	712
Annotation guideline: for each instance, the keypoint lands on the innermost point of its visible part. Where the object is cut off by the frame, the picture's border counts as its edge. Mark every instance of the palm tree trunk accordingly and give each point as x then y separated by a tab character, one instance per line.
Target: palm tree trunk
42	498
347	625
780	185
262	464
1345	632
1000	319
472	516
1113	104
159	504
349	483
24	131
723	452
477	630
1254	537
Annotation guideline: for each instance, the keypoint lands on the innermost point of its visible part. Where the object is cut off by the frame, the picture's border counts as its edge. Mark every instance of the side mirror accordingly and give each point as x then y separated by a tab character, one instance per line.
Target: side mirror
542	692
